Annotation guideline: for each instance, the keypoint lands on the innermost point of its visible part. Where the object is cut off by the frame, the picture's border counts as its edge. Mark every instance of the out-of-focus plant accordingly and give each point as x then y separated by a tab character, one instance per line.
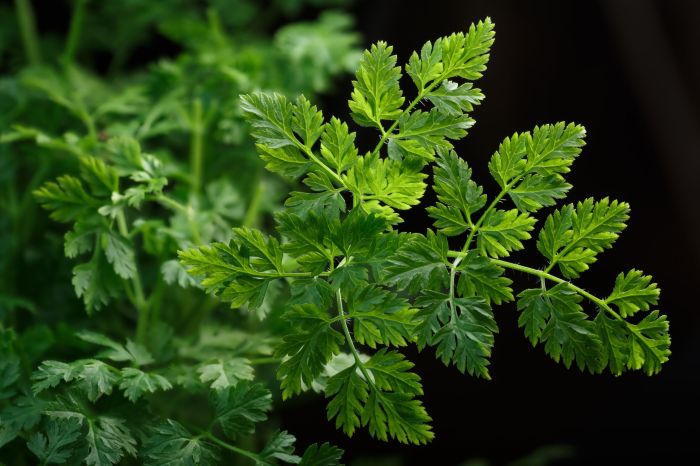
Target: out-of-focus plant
137	161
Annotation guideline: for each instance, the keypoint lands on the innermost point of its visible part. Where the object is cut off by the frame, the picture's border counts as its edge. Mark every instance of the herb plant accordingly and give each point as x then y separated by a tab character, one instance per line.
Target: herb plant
112	354
358	285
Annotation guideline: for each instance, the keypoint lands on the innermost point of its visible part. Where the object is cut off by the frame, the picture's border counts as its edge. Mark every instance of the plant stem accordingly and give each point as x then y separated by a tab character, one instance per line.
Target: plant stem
483	216
171	204
414	102
547	276
27	26
349	340
268	360
138	299
253	210
76	27
197	147
221	443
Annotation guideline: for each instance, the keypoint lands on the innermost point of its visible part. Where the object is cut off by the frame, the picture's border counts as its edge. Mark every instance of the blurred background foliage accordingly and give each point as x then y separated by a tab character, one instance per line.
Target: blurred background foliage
137	101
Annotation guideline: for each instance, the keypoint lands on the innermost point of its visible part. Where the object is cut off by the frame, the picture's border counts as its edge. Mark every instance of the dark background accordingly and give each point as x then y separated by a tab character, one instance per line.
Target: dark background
629	71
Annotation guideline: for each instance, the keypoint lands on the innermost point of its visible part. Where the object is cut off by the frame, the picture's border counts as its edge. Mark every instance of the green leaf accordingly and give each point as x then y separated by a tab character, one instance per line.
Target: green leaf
457	55
548	150
431	131
459	196
239	408
134	382
272	118
388	181
321	455
50	373
102	179
614	338
285	131
398	416
287	161
95	282
572	236
225	373
307	121
120	253
359	233
9	373
95	378
350	392
650	343
391	372
239	271
109	440
132	352
380	317
455	99
503	231
480	277
66	198
461	328
537	191
23	414
376	94
169	443
554	316
633	292
420	263
308	348
338	146
58	443
279	447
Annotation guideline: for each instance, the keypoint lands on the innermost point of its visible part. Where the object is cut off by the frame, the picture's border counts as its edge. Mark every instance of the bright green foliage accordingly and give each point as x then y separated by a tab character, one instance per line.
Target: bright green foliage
460	328
308	349
573	236
554	316
377	95
459	196
633	292
358	285
503	231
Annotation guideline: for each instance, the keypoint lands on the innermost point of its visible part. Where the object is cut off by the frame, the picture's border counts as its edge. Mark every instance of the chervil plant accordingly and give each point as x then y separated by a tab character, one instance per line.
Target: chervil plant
111	354
360	289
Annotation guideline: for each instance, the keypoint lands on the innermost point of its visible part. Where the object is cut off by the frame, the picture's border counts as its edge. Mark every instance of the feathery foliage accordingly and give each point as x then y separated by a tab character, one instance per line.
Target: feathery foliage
369	287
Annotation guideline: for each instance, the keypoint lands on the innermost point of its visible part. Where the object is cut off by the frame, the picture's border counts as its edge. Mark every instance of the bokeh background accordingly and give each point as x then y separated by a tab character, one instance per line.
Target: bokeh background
629	70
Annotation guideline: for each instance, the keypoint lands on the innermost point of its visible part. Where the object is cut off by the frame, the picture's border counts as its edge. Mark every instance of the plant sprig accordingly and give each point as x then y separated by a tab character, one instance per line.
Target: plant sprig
355	280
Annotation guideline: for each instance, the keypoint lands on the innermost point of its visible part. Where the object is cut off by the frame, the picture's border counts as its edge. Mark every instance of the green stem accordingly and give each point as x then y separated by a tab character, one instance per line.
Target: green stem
453	275
421	95
270	360
221	443
138	298
482	218
197	147
76	27
349	340
253	210
547	276
172	204
27	26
